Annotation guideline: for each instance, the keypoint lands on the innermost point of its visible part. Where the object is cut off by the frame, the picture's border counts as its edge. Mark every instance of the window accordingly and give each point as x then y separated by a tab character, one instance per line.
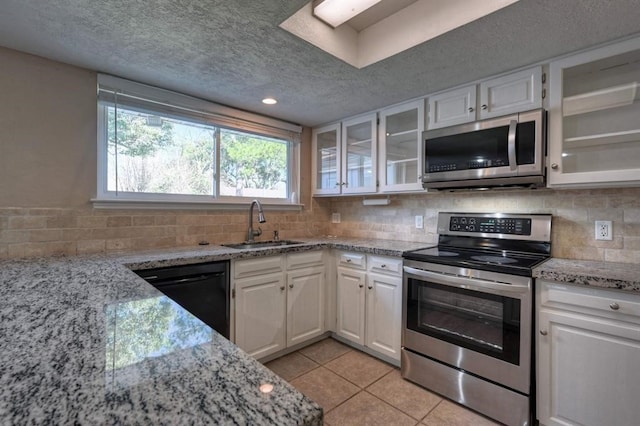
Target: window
160	146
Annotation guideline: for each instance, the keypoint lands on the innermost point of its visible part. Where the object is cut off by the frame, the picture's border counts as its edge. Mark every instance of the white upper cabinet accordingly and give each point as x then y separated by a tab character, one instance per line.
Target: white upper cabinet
520	91
453	107
594	112
400	132
515	92
344	157
359	146
326	159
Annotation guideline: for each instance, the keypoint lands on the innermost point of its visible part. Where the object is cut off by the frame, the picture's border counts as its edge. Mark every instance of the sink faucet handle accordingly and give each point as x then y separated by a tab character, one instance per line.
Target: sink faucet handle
276	236
258	232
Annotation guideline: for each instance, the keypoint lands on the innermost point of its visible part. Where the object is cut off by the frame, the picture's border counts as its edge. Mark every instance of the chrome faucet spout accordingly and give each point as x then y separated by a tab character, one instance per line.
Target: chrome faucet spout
251	234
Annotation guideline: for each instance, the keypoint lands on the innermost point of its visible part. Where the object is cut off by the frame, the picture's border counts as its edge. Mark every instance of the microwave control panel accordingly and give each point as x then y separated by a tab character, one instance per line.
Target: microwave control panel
490	225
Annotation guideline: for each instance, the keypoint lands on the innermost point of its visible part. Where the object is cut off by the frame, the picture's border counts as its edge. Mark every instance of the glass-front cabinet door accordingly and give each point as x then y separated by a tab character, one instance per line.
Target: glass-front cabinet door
359	155
326	160
400	132
595	117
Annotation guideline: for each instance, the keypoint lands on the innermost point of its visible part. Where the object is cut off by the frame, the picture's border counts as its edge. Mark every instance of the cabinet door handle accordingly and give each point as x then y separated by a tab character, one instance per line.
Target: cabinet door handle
370	287
614	306
470	109
282	288
543	332
360	285
554	166
484	106
290	285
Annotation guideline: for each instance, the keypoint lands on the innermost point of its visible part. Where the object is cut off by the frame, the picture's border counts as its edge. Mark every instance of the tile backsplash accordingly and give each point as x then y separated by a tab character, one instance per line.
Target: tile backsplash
29	232
573	227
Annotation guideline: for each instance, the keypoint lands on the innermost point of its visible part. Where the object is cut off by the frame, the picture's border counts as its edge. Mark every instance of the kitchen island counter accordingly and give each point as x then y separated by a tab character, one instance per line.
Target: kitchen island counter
85	340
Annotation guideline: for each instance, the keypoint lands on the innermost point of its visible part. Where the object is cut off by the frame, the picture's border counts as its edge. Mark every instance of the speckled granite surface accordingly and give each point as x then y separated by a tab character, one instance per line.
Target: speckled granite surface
621	276
85	340
211	253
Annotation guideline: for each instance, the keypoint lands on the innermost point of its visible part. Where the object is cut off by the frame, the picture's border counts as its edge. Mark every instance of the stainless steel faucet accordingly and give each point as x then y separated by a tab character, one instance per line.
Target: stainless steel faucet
251	233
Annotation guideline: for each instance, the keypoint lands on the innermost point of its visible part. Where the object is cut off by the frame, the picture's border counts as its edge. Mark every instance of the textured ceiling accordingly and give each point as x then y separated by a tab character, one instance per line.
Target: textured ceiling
234	53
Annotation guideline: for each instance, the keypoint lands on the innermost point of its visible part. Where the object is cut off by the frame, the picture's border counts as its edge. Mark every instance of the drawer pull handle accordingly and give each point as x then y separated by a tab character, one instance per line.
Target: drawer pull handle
348	260
383	266
543	332
614	306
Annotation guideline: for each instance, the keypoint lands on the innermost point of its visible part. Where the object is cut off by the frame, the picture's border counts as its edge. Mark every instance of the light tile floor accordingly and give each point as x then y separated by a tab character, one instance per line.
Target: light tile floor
354	388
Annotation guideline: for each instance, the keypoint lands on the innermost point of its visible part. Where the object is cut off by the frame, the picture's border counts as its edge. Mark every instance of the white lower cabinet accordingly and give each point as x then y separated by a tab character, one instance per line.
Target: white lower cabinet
260	314
588	356
351	300
384	314
370	302
276	310
305	304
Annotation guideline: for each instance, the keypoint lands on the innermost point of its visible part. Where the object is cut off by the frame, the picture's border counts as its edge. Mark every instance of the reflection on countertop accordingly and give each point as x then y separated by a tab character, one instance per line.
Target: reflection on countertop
85	340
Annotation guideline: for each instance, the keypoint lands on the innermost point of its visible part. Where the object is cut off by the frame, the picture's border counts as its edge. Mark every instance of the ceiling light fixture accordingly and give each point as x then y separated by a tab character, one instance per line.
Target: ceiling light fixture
337	12
269	101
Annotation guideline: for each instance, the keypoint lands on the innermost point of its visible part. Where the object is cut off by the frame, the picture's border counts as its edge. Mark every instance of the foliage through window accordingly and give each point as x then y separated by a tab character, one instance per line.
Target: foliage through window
152	150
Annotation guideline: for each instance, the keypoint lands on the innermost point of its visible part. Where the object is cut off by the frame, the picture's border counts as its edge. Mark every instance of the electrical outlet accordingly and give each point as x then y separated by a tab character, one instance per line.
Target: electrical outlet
419	222
335	217
604	230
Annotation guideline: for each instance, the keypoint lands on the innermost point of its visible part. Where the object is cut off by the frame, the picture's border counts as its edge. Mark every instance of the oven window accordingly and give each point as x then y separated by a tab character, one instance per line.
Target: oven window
482	322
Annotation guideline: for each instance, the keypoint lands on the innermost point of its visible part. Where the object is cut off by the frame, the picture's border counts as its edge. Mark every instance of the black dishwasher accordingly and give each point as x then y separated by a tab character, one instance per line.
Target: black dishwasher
202	289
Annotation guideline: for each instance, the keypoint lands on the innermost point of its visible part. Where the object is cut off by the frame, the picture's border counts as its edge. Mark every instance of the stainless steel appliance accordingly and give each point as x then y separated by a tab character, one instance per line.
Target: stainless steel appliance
505	151
468	311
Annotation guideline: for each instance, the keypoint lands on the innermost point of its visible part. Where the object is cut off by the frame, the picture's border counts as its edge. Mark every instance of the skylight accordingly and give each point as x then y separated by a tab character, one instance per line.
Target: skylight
417	23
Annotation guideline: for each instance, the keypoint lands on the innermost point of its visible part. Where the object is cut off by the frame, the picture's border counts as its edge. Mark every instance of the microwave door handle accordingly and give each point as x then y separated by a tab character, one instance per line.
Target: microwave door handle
511	144
468	283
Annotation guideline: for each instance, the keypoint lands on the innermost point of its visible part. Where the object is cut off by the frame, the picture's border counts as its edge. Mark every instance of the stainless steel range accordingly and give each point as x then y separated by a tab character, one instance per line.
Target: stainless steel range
468	311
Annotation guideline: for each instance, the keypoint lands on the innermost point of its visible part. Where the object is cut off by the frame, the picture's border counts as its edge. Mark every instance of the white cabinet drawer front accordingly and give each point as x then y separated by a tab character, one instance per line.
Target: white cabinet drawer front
260	265
606	303
304	260
385	265
353	260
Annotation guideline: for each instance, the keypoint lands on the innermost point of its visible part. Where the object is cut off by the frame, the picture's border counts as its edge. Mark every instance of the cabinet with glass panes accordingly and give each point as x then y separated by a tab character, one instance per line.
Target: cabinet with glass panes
594	128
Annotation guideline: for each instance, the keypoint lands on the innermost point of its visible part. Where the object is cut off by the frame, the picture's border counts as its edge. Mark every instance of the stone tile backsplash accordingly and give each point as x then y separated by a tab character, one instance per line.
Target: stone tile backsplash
29	232
574	213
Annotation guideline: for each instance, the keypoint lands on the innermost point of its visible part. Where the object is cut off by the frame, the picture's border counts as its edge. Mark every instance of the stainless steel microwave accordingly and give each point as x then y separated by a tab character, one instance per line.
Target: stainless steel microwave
505	151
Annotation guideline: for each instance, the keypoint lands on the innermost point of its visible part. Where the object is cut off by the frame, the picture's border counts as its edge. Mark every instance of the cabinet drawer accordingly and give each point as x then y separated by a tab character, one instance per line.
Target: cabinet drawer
353	260
385	265
260	265
601	302
304	260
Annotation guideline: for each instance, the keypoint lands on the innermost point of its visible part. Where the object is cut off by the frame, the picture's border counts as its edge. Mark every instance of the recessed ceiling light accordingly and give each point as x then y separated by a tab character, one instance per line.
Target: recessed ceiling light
269	101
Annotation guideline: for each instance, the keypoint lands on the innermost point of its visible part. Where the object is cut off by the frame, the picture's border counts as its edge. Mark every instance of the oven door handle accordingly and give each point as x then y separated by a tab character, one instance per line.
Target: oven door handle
468	283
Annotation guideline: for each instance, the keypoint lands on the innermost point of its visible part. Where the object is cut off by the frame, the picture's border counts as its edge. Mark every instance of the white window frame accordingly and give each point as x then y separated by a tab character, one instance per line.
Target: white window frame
172	104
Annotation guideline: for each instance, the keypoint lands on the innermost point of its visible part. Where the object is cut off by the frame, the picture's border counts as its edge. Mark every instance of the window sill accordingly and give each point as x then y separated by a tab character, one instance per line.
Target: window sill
109	203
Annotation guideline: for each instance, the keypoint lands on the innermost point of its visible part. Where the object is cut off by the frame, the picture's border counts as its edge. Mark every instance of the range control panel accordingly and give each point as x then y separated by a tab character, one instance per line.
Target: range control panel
490	225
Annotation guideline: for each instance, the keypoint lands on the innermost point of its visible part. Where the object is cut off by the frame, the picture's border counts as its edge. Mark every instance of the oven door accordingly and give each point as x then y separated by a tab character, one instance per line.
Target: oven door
477	321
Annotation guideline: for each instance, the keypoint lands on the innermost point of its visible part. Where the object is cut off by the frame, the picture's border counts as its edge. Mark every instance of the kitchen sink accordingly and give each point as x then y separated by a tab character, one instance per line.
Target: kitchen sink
260	244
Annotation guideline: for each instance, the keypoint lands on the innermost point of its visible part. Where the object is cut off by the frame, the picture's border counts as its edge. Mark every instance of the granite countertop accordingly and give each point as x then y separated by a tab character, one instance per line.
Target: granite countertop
610	275
85	340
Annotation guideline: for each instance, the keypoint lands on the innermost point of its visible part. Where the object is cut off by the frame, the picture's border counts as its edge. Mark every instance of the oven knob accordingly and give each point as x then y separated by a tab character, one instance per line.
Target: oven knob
471	228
